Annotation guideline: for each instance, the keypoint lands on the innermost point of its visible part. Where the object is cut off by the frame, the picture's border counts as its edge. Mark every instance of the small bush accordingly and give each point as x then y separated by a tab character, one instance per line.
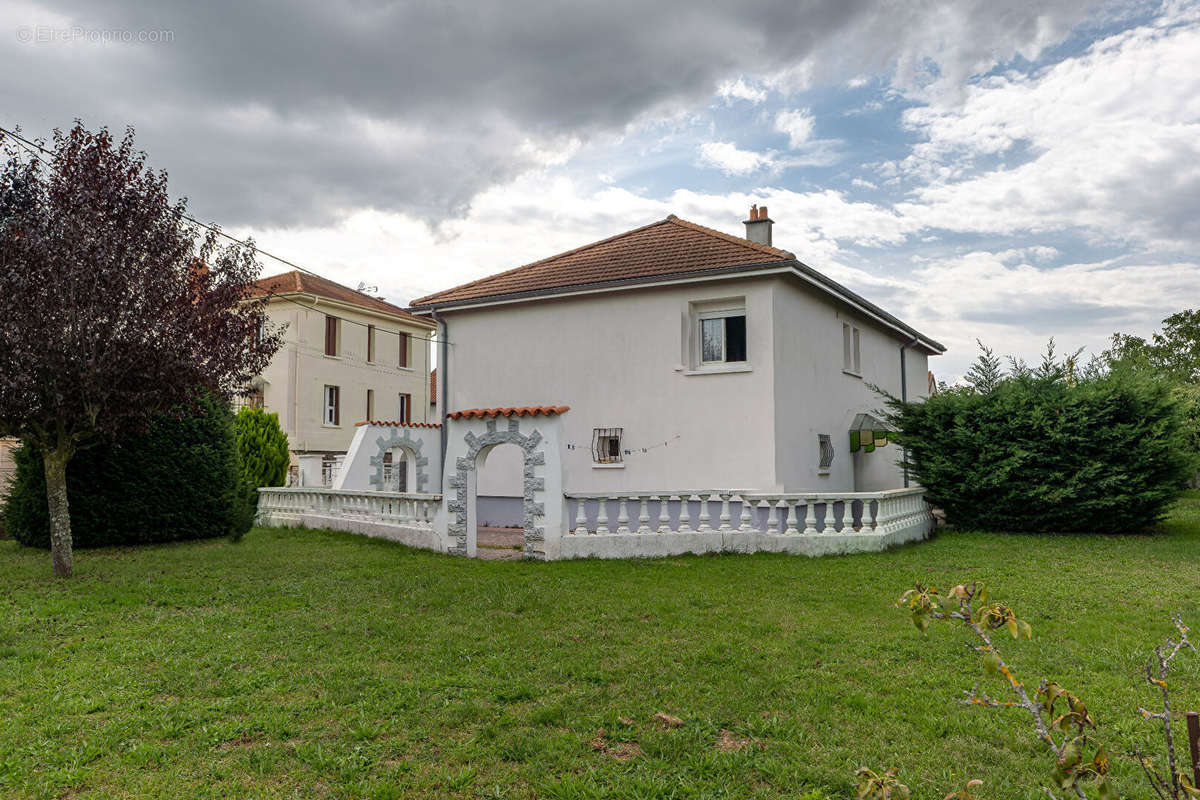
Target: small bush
264	447
1045	451
181	479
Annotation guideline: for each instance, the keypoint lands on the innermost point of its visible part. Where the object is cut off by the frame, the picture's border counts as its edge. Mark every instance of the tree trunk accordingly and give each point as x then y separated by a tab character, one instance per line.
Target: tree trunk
60	516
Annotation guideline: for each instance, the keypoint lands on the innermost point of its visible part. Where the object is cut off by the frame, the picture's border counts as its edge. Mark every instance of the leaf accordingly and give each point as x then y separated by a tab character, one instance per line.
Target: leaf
1026	630
992	662
1012	627
981	594
1105	790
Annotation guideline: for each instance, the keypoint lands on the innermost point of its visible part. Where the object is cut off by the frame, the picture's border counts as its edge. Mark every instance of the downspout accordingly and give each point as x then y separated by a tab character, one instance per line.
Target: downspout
443	394
904	396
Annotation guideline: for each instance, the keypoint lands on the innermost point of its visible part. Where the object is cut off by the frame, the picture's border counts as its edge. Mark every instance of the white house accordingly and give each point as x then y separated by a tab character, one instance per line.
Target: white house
669	389
688	357
347	357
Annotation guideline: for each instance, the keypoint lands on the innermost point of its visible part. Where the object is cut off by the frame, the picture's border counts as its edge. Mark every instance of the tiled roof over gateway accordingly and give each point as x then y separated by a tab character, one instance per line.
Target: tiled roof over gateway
511	411
297	282
669	247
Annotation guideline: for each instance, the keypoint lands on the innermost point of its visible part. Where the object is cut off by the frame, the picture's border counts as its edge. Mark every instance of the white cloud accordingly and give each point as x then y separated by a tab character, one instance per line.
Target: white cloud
860	183
1108	141
741	90
797	124
732	160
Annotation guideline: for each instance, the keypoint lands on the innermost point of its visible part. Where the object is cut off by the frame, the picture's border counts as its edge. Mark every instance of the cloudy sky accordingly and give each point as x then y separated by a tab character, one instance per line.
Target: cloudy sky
990	169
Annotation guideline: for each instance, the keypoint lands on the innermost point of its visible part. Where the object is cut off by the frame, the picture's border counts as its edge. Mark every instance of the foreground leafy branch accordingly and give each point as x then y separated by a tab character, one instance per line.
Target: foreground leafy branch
1061	719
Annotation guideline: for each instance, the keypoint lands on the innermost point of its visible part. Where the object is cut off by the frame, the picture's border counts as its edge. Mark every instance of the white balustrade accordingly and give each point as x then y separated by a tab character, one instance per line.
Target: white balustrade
777	514
392	507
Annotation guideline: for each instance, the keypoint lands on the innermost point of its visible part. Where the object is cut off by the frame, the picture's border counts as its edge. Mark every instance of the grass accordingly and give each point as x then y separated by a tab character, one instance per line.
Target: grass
305	664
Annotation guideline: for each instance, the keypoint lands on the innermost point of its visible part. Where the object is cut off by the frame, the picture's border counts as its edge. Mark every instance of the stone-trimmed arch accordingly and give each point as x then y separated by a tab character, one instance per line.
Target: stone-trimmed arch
400	437
533	498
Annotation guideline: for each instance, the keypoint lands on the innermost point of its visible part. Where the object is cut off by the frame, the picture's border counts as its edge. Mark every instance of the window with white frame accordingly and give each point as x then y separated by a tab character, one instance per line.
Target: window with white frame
851	352
606	445
333	414
722	336
405	411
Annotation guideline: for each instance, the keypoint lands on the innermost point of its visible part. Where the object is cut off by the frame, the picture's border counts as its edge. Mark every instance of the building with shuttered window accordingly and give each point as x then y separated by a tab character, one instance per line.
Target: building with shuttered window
347	357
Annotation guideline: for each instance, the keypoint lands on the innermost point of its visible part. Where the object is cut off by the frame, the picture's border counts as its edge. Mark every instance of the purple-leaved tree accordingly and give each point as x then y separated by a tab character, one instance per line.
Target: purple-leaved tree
114	306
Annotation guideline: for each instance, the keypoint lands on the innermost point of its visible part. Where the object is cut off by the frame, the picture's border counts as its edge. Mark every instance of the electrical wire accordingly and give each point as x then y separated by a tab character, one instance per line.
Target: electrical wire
33	148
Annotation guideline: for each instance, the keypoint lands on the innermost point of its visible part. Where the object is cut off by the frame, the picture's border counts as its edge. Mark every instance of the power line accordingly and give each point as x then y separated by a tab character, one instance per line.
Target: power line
34	147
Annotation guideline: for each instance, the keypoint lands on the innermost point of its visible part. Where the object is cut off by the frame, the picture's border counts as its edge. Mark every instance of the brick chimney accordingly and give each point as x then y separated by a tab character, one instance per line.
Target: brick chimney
758	227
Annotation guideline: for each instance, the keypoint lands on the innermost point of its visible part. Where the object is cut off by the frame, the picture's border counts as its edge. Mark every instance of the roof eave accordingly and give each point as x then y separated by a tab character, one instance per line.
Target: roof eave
792	265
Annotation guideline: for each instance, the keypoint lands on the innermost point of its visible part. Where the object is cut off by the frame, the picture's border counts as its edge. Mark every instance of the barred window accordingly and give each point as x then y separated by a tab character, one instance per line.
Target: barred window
606	445
825	447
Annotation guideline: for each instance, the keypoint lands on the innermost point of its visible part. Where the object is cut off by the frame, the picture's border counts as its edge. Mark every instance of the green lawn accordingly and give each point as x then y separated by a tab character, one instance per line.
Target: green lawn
311	664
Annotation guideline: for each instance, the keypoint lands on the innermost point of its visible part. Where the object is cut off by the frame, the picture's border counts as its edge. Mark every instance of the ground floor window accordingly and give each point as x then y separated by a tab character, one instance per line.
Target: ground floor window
606	445
405	411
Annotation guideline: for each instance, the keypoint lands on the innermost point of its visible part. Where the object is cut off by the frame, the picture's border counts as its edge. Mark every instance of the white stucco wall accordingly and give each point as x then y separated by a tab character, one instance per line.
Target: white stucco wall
297	376
617	360
625	359
814	395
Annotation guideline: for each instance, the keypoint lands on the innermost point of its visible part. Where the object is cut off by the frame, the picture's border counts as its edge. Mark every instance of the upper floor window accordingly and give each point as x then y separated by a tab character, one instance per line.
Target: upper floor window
370	343
851	353
331	335
405	410
722	336
824	453
333	410
370	404
404	349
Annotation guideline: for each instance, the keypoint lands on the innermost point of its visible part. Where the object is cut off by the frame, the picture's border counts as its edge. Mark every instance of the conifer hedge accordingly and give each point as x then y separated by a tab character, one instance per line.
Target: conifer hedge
180	479
1050	451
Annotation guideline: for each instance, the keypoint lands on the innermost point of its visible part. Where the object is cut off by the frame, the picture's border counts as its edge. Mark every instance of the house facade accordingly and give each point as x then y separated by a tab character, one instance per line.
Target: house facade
672	389
688	358
346	358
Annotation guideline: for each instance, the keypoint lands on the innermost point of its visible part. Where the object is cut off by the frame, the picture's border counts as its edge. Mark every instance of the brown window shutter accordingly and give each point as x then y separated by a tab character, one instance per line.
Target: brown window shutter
330	336
370	343
404	349
337	405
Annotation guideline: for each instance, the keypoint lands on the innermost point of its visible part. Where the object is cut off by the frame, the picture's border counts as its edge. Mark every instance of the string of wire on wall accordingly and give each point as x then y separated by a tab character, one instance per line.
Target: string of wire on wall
33	148
628	451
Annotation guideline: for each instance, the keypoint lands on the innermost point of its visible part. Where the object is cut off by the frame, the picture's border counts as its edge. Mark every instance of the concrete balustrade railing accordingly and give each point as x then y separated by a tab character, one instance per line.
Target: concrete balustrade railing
743	512
663	523
281	506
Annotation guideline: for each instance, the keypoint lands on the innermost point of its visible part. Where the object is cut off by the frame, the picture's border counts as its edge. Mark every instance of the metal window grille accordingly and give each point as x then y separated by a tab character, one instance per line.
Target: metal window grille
825	446
606	445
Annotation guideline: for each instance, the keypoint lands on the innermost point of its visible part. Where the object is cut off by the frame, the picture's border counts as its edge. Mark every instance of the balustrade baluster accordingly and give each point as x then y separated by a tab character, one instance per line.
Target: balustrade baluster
705	519
622	516
773	515
643	514
580	518
602	515
846	517
685	514
827	523
664	513
791	529
725	526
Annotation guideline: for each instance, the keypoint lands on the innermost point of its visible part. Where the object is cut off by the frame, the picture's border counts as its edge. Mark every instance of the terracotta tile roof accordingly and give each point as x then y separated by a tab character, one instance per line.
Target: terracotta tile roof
668	247
394	424
520	411
297	282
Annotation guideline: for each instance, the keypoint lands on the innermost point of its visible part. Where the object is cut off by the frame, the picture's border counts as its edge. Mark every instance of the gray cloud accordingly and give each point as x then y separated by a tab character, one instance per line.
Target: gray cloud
288	113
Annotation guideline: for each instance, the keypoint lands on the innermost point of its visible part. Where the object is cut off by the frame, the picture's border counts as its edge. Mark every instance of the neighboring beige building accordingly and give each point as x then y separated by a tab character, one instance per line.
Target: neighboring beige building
6	463
346	358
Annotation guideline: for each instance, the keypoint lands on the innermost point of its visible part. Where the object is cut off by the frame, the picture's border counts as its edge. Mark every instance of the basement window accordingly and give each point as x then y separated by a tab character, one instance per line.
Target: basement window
825	453
606	445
